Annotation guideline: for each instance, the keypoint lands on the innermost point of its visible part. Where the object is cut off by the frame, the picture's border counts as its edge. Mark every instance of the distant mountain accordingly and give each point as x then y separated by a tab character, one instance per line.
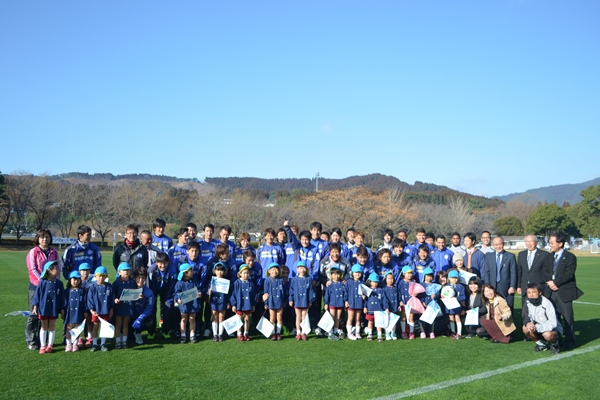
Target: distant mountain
552	194
110	177
419	192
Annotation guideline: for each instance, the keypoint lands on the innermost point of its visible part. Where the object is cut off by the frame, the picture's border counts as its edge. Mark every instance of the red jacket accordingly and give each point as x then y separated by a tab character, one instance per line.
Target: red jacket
36	259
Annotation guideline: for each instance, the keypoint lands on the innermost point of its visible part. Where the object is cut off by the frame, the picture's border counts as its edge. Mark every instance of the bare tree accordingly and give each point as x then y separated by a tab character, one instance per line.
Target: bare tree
4	206
41	199
17	191
69	206
103	208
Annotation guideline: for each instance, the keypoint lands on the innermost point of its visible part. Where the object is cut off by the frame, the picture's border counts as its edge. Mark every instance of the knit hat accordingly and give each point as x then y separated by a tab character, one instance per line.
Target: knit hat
47	266
458	256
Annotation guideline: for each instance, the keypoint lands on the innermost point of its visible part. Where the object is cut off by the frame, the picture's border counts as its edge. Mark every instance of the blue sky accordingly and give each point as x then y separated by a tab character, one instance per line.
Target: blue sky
487	97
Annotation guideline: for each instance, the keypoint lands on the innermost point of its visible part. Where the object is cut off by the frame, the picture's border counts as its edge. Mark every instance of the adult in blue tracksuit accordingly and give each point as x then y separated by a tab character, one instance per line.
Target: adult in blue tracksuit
162	283
270	252
159	240
83	251
175	253
442	255
336	237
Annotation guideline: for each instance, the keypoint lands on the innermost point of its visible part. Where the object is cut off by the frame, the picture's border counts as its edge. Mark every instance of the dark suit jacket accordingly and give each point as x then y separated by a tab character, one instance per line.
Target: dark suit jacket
508	272
564	277
541	270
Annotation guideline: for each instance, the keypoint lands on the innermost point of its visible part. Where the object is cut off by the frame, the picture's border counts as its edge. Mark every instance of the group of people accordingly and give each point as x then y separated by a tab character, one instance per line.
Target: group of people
292	279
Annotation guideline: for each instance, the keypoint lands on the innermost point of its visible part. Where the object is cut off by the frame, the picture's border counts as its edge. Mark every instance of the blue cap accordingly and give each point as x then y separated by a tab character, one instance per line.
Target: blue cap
182	270
84	266
100	271
407	268
428	271
453	274
301	263
388	273
47	266
357	268
124	266
374	277
273	265
219	264
75	274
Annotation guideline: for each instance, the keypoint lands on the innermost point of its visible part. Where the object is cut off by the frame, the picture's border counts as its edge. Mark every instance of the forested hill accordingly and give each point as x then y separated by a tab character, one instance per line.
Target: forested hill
110	177
559	194
419	191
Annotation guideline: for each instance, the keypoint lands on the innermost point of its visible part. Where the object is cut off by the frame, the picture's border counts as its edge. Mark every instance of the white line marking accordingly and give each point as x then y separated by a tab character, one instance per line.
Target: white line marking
585	302
467	379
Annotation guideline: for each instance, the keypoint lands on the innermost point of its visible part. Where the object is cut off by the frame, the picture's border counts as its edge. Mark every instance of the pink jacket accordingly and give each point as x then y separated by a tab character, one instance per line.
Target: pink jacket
36	260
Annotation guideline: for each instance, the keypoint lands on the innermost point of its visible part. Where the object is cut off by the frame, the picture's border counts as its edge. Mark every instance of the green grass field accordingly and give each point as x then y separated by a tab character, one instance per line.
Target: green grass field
318	368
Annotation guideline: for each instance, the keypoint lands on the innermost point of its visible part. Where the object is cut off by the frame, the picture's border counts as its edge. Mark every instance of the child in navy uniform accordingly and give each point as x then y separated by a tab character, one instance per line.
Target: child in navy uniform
86	282
122	308
455	313
403	286
392	301
335	300
162	283
75	309
48	304
143	310
274	299
100	302
426	299
374	302
243	300
301	296
219	303
354	302
188	310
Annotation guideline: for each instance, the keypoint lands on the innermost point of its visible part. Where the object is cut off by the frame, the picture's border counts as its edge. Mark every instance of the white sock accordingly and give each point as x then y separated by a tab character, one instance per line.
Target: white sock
403	326
215	327
277	327
74	339
221	329
357	329
51	335
379	334
459	328
67	340
192	333
124	339
42	337
240	332
411	328
349	329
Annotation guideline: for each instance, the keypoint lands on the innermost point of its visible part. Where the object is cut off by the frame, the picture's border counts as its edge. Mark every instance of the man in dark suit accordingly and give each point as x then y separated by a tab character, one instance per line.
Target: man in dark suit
501	271
563	286
533	266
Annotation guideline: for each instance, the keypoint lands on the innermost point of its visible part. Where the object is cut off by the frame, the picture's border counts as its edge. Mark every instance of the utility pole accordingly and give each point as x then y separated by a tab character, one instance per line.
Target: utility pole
317	180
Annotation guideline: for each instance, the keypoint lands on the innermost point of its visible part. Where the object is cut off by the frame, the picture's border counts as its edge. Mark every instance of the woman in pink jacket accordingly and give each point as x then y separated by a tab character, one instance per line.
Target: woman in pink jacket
36	258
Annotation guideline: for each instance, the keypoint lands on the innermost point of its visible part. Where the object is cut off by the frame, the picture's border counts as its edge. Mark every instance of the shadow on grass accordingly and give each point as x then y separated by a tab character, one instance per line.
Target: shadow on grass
586	331
151	347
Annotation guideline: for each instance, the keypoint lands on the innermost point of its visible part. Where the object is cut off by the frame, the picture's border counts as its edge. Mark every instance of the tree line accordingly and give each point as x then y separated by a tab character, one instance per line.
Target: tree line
28	202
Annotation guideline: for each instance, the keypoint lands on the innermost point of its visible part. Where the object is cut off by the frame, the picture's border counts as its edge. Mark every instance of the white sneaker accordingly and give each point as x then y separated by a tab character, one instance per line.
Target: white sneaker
207	333
351	336
342	335
293	332
318	332
388	336
138	338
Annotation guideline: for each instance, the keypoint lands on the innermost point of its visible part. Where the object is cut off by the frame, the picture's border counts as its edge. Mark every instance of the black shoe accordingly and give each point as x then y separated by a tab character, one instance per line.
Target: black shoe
469	336
539	348
555	348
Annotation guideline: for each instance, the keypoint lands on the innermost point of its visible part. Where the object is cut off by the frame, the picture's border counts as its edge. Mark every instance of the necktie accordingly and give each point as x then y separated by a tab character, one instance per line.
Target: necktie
529	258
555	262
498	266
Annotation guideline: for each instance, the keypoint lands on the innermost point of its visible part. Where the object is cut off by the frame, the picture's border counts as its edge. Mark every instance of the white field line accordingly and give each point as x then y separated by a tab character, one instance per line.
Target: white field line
484	375
576	302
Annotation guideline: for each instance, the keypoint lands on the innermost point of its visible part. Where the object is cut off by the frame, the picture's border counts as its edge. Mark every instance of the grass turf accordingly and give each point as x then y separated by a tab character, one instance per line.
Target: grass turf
288	369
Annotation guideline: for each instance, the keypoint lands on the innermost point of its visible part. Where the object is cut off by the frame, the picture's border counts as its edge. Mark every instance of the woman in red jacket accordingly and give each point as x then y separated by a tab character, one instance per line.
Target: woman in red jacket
36	258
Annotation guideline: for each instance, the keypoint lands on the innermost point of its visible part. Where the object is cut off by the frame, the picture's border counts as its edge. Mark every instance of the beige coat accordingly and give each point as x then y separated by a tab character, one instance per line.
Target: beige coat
501	309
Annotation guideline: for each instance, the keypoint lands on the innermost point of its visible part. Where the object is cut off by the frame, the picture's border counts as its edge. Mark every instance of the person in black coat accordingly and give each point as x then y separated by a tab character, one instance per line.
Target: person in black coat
562	288
533	266
501	271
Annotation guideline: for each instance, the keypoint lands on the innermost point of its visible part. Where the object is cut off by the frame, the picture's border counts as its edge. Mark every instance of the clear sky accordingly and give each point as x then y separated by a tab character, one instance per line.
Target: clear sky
487	97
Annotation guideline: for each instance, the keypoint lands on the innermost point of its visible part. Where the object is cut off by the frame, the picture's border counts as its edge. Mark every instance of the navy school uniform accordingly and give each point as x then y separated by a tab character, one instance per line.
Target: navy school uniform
274	288
200	271
392	298
335	295
100	298
376	301
301	291
460	296
123	309
403	287
243	296
49	297
75	306
192	306
161	283
219	301
144	306
355	299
